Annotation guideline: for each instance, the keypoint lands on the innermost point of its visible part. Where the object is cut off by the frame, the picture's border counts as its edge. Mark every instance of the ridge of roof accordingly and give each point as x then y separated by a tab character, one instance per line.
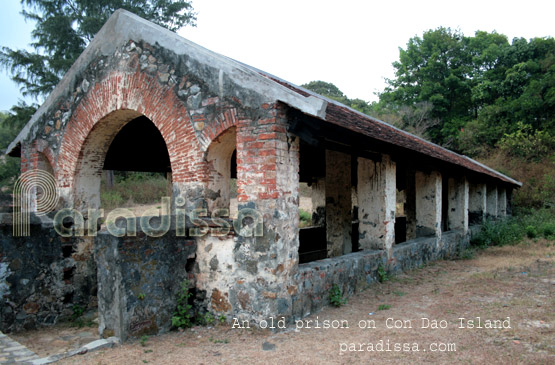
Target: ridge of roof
123	26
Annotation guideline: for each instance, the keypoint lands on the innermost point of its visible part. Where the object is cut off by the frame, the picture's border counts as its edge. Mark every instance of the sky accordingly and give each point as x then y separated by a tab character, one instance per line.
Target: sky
350	43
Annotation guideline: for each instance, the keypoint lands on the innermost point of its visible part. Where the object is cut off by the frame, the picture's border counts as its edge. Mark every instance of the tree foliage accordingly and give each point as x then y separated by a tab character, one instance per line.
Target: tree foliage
10	125
479	87
331	91
65	27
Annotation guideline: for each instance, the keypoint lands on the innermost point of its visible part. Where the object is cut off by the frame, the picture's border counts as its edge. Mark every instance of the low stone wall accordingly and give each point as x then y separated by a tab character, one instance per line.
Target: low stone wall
355	271
352	272
44	278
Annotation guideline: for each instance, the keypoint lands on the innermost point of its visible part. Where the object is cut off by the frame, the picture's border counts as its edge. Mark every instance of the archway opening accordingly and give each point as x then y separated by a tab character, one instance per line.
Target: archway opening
137	168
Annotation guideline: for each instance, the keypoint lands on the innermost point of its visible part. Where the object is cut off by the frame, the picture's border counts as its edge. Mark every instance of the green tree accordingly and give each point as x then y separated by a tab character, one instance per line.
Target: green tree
331	91
479	87
434	69
326	89
65	27
10	124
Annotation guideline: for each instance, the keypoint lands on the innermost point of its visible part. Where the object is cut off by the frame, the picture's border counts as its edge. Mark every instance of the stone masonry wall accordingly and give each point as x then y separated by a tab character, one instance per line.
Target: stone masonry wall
355	271
43	276
139	279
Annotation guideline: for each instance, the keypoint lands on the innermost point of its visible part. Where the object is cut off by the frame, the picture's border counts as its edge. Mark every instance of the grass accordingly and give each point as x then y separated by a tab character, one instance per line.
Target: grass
134	188
305	218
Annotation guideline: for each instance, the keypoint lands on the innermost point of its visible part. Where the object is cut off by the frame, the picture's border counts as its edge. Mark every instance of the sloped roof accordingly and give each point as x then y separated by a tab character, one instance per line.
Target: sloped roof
124	26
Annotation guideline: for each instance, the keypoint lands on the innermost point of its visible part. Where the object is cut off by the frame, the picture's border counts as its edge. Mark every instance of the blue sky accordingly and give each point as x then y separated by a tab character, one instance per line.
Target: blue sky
14	33
351	43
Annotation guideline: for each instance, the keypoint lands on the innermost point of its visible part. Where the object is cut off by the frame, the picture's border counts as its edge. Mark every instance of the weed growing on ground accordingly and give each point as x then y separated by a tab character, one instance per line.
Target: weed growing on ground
182	315
382	274
144	339
336	298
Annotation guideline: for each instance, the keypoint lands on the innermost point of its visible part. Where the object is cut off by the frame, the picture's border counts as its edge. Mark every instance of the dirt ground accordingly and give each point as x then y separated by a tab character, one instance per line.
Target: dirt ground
508	287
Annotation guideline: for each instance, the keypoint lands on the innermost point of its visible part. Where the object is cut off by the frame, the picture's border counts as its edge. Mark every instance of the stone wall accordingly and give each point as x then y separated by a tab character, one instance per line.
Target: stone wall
43	277
139	279
355	271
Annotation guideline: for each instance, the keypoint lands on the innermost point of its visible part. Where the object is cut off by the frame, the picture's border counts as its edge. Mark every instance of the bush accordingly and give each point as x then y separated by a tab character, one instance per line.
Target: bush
305	218
336	298
182	315
527	143
529	223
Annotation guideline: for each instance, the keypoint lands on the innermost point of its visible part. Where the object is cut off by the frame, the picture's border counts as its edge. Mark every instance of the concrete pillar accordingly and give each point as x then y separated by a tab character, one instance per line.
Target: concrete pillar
458	204
501	202
477	199
428	203
319	202
410	204
338	203
491	203
376	199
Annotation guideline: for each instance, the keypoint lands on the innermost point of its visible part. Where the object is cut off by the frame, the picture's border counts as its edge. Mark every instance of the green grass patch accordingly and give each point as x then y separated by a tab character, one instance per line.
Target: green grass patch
305	218
134	188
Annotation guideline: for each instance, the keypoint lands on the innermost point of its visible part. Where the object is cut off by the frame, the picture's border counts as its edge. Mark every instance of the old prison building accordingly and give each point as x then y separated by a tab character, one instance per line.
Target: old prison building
142	98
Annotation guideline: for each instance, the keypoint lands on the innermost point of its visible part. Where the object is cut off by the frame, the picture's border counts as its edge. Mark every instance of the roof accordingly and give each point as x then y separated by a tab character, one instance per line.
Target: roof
124	26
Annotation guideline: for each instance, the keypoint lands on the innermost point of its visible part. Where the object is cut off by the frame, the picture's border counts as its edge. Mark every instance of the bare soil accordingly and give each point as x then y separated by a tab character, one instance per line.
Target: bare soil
514	284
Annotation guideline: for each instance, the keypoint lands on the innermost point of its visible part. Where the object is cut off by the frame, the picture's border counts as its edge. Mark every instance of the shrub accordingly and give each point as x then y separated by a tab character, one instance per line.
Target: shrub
182	315
305	218
529	223
336	298
382	274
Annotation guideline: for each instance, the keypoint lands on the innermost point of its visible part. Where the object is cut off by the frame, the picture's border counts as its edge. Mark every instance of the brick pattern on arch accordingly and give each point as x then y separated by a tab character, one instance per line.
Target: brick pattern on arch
143	94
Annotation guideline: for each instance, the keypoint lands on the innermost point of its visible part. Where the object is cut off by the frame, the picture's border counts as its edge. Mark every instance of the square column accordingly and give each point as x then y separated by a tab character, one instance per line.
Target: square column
501	202
458	203
491	204
410	204
338	203
376	199
477	203
428	203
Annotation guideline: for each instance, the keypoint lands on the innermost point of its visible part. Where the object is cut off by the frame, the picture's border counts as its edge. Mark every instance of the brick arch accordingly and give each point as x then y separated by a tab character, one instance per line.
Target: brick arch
41	150
107	107
221	124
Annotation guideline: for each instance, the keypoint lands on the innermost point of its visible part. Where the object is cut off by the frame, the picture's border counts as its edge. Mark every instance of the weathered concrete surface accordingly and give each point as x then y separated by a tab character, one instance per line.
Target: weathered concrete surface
338	203
410	204
428	203
491	203
43	276
501	202
477	200
458	203
139	279
376	203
